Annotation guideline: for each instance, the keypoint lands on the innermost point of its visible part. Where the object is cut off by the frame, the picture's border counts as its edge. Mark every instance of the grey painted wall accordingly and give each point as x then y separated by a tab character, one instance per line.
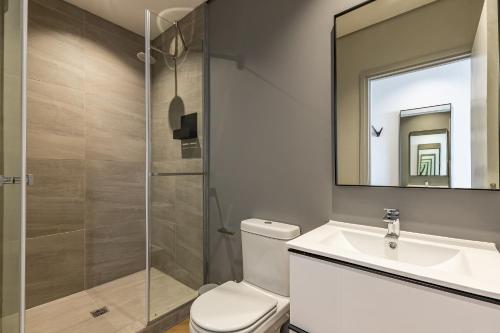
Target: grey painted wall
271	149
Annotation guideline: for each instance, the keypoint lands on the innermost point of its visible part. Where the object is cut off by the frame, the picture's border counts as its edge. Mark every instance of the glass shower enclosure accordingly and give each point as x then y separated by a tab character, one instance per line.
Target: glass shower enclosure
177	120
12	163
176	182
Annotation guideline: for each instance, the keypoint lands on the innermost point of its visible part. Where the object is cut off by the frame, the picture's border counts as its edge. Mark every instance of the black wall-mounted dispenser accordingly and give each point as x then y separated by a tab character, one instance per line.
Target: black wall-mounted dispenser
189	127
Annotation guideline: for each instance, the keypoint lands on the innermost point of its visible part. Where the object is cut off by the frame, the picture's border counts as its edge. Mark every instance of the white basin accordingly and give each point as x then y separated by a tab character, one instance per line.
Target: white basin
460	264
407	251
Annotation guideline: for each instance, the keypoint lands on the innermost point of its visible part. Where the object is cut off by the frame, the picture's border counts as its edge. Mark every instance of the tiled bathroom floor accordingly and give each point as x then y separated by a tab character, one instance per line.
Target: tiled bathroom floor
180	328
124	298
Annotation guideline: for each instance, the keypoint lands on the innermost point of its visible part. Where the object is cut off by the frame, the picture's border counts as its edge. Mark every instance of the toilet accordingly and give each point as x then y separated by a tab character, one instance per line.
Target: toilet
260	303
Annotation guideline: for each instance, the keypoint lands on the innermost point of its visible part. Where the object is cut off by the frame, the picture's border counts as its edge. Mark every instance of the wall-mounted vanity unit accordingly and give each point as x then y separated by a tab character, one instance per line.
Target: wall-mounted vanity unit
344	278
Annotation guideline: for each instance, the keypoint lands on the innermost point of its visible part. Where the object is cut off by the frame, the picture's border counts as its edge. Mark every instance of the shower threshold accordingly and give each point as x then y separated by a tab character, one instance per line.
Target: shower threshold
123	299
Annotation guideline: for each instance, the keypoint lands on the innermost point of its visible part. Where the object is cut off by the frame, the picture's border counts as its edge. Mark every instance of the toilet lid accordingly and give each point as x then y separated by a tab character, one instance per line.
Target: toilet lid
231	307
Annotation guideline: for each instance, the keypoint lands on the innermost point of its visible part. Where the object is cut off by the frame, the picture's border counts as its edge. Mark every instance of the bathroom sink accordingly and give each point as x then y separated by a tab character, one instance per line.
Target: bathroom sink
407	251
465	265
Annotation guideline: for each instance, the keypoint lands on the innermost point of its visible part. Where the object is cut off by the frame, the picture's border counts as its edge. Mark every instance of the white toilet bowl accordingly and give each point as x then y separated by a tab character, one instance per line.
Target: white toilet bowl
239	308
260	303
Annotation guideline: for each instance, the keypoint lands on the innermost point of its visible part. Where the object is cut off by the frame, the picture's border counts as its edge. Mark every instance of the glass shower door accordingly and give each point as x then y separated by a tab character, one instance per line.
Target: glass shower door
176	177
12	166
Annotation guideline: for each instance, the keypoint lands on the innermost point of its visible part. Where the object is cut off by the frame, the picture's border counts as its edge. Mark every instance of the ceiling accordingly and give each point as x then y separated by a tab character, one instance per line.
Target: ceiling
129	14
375	12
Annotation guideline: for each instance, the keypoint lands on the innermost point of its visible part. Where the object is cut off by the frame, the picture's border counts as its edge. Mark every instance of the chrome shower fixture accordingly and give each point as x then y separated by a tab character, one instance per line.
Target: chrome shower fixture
142	57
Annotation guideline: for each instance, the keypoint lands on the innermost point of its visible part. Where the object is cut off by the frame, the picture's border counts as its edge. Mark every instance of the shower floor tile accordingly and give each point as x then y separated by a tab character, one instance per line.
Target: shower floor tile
166	294
124	298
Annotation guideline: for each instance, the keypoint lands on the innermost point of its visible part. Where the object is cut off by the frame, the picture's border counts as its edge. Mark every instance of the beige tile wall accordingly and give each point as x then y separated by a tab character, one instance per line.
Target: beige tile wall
85	216
177	202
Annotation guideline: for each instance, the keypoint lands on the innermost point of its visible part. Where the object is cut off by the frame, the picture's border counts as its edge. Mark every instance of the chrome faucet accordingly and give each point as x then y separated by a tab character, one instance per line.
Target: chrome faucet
391	217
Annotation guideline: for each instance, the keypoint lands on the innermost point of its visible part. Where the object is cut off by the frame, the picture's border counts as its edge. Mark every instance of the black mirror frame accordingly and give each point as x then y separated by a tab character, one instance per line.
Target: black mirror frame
334	111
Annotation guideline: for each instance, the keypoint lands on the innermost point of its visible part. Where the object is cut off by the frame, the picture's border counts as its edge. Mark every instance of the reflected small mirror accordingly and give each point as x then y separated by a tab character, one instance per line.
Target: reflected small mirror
423	141
416	94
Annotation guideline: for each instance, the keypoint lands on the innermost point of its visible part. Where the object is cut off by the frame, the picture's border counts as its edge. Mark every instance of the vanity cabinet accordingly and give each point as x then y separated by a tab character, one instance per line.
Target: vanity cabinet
330	297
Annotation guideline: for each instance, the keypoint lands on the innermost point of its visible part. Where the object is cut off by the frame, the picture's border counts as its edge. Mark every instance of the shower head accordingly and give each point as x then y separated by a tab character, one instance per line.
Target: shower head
142	57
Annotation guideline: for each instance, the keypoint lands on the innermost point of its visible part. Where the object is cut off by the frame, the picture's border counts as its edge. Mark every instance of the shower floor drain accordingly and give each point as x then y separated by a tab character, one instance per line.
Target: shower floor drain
99	312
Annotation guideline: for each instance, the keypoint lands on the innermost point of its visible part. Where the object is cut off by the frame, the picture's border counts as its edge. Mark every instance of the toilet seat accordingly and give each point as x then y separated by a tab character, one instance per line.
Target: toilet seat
252	329
232	307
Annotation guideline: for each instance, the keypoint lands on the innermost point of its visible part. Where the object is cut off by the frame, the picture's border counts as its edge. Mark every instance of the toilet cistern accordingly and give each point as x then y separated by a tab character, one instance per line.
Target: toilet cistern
391	217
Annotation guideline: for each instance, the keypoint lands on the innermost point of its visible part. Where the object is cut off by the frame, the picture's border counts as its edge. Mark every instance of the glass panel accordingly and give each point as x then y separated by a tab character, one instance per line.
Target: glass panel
85	228
11	162
176	160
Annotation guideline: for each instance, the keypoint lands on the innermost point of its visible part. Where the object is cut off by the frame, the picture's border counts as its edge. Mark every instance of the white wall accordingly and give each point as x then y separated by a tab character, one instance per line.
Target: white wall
479	103
444	84
484	119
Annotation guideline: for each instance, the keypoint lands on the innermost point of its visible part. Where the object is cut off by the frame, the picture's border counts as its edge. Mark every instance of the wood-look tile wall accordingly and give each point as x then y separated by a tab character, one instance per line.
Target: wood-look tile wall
86	146
177	202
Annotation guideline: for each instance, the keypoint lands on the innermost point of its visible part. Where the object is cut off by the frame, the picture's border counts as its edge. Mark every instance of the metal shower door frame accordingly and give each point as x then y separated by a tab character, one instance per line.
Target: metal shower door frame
147	85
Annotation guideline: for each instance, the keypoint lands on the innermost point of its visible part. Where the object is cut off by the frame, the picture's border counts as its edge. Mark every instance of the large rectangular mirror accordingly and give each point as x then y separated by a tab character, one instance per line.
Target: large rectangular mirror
417	94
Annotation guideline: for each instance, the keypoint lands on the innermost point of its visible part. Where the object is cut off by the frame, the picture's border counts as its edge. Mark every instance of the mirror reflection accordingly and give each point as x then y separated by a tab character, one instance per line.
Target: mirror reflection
416	87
